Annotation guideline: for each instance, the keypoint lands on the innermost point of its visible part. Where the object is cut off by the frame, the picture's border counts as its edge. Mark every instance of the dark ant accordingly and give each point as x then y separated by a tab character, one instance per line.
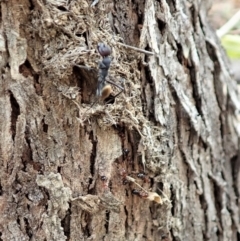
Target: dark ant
139	193
143	176
125	182
104	90
125	153
135	192
104	180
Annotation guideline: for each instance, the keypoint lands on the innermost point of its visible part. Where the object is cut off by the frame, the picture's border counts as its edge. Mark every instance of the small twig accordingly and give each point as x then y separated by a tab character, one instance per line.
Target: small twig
113	97
78	106
166	197
110	82
76	53
229	24
83	67
94	3
111	119
130	179
137	49
90	106
132	117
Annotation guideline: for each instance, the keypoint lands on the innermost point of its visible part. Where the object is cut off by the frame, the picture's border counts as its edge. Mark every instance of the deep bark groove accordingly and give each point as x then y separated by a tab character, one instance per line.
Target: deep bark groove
14	115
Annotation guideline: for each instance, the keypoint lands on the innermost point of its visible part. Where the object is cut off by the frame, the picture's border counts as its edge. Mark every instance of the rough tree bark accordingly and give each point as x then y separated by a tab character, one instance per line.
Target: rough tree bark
63	164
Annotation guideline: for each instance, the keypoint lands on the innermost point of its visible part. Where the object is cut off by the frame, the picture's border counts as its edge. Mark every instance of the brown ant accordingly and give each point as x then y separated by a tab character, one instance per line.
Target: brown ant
123	173
139	193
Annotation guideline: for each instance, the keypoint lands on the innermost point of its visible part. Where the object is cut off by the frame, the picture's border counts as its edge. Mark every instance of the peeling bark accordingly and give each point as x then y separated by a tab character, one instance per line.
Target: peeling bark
74	170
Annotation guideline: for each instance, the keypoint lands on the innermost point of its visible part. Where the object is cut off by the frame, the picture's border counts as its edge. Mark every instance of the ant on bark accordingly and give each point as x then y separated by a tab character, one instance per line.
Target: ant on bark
104	180
104	90
126	179
139	193
143	176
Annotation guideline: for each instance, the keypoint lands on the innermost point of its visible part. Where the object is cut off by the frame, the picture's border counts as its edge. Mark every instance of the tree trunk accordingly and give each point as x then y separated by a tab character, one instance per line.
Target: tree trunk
159	161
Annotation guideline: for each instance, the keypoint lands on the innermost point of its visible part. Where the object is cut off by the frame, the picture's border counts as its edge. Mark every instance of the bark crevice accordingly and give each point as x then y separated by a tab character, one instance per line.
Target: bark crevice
14	114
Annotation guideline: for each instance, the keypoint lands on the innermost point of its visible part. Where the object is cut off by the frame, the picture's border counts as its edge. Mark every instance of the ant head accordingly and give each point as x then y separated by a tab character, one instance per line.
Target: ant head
103	178
103	49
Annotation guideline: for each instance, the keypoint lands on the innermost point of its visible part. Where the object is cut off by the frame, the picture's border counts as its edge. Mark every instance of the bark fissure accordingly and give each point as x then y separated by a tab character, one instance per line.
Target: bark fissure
87	82
148	93
196	92
235	166
107	219
28	228
14	114
27	155
65	223
44	126
92	158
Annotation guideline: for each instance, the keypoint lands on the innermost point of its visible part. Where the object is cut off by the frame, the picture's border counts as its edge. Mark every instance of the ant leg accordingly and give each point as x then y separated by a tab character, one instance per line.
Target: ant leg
112	83
118	86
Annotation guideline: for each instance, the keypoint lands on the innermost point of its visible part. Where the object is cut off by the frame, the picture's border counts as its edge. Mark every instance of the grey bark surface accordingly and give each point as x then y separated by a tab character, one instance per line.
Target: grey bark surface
64	160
